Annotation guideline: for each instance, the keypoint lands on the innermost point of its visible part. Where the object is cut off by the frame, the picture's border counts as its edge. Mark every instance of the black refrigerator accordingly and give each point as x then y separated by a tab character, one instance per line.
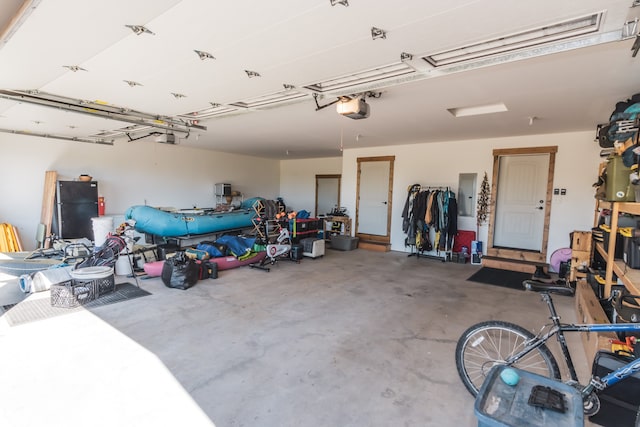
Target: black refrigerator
76	204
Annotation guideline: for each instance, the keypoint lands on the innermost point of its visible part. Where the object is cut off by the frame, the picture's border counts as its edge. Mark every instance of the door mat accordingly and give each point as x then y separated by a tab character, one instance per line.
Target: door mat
39	309
498	277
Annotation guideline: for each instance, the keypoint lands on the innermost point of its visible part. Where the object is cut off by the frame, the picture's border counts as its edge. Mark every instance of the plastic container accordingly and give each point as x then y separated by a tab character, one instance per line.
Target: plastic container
296	252
344	243
123	266
618	185
632	252
499	404
98	279
102	226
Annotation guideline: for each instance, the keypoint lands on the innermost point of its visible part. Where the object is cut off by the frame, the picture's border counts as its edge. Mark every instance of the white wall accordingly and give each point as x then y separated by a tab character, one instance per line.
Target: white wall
128	173
298	180
439	164
131	173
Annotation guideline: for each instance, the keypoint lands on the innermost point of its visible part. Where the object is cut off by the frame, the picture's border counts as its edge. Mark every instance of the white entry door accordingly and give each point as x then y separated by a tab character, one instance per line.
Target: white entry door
374	194
520	201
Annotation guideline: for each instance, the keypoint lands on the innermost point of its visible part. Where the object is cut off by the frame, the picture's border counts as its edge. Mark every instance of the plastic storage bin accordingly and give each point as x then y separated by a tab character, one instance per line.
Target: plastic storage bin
618	185
344	243
632	252
499	404
98	279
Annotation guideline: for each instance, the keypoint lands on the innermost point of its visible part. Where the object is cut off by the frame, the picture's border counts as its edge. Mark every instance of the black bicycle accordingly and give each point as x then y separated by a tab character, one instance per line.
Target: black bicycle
487	344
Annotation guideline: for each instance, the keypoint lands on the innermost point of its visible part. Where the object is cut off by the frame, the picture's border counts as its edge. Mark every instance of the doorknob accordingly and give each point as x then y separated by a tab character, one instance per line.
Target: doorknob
540	207
384	203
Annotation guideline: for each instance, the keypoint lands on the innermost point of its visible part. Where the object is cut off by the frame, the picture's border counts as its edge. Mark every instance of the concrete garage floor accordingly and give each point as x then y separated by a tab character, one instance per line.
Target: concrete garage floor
354	338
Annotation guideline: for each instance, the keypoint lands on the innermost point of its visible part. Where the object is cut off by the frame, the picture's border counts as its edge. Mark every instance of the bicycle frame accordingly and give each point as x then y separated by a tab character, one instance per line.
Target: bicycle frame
559	329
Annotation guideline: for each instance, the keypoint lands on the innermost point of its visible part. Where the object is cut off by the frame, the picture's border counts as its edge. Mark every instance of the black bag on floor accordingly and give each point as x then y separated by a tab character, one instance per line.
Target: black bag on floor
618	403
180	271
207	270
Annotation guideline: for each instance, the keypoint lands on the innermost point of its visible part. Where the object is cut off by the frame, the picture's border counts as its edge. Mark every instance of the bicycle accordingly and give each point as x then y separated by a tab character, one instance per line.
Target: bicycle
490	343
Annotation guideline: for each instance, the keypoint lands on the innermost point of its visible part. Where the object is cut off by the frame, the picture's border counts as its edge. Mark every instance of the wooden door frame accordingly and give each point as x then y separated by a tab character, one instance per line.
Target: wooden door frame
372	237
521	254
336	176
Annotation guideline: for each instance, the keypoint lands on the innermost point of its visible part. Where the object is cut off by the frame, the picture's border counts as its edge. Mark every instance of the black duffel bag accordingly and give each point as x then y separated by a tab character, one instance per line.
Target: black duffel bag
180	271
619	403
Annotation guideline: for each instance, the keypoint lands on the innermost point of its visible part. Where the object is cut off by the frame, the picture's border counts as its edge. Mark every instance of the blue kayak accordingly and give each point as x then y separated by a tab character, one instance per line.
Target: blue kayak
175	224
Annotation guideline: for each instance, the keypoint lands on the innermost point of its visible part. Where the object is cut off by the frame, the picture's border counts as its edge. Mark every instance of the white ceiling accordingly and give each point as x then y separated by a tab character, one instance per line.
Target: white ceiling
302	42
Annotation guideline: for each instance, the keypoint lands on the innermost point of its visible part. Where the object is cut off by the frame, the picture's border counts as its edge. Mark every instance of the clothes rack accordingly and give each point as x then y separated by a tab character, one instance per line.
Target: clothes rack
430	220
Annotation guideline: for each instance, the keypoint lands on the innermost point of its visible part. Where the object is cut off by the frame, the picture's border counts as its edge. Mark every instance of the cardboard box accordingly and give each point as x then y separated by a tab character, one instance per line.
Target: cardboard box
589	310
580	259
581	241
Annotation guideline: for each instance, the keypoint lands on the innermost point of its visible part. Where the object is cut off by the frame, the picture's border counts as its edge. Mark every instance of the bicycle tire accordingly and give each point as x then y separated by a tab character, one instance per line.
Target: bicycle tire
486	344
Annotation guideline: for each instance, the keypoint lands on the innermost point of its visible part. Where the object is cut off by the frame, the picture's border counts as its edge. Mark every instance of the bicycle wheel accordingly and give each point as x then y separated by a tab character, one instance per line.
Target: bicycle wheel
491	343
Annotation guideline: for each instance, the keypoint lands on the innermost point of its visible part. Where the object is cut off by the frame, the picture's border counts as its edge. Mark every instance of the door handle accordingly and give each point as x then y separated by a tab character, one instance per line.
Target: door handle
539	207
384	203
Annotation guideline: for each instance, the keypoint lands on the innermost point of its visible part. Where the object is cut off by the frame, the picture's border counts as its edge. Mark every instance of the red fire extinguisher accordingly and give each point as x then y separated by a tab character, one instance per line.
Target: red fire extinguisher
100	206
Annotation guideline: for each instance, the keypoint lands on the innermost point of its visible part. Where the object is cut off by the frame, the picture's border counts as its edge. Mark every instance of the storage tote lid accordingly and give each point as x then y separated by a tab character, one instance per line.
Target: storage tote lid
88	273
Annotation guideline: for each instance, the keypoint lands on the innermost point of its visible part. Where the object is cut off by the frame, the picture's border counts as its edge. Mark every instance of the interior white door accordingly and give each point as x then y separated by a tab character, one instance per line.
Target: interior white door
520	201
374	194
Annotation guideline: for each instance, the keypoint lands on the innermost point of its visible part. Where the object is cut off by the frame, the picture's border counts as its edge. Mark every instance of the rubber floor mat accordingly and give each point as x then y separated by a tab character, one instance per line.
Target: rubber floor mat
40	309
498	277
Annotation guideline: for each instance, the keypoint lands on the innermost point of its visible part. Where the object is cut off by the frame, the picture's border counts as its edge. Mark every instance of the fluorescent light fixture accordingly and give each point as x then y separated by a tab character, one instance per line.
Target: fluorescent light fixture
16	22
362	77
207	113
478	110
271	99
564	30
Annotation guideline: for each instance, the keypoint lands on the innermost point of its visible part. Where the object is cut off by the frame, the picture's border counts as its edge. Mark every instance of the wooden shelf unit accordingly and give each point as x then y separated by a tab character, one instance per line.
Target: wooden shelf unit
629	277
345	226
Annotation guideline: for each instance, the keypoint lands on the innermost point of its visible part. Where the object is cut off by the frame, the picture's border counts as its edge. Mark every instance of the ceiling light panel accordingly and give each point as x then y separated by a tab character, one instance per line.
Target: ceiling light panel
560	31
478	110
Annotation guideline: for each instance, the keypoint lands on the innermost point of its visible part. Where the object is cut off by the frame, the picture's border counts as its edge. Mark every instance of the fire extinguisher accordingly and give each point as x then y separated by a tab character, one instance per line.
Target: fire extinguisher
100	206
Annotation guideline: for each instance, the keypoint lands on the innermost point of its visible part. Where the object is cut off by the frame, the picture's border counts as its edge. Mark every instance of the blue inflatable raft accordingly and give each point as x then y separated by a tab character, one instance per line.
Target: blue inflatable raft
175	224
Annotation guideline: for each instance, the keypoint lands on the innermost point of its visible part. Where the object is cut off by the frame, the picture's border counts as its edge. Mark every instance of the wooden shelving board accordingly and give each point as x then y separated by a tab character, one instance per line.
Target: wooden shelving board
629	276
627	207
